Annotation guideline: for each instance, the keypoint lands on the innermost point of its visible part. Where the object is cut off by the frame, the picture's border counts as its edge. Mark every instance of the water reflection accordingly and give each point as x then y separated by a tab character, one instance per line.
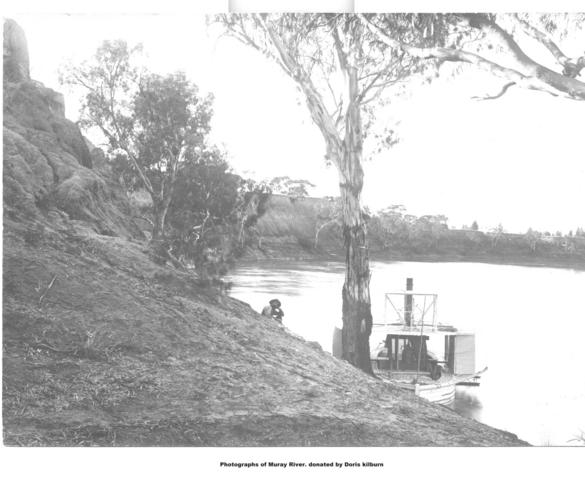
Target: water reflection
467	402
529	326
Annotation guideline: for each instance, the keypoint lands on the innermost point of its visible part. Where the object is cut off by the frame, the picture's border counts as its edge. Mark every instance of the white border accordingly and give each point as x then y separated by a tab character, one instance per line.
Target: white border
200	463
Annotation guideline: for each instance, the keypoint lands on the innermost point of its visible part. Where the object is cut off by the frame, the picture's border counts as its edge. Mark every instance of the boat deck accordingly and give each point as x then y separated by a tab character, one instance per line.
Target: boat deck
409	377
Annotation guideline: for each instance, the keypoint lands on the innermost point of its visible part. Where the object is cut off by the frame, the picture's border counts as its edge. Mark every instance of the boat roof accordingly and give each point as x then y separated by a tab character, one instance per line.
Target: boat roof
415	331
411	292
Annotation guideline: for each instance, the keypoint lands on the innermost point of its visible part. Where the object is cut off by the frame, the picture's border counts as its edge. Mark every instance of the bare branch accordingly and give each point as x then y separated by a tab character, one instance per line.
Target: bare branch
42	297
148	220
323	226
369	86
498	95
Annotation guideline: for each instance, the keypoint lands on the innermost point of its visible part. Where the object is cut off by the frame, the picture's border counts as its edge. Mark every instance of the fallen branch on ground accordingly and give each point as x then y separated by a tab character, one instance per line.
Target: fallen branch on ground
42	297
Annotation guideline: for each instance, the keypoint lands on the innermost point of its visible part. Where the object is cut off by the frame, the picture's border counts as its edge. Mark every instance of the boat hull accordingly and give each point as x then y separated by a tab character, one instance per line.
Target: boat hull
442	394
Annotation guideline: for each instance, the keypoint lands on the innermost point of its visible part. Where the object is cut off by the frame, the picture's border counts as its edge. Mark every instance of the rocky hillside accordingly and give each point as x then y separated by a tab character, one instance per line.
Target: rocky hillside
104	346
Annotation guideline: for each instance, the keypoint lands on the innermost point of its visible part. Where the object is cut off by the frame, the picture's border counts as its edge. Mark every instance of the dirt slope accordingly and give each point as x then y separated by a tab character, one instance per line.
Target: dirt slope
104	346
122	351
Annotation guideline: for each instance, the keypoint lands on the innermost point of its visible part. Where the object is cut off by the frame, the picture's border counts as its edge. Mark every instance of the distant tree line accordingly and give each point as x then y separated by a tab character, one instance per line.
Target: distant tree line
394	230
392	227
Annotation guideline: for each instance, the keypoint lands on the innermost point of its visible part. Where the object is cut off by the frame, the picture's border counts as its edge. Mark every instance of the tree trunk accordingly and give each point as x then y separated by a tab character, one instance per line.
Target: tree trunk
159	214
356	310
346	155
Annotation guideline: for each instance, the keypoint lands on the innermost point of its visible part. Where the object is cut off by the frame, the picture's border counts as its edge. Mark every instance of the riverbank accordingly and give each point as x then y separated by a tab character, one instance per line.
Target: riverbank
288	231
123	352
300	255
517	260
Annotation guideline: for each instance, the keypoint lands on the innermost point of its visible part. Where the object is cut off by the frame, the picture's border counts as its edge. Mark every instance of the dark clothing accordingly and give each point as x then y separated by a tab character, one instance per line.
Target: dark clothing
275	313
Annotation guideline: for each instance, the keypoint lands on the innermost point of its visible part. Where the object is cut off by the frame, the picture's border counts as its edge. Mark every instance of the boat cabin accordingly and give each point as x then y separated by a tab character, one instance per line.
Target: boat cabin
411	341
408	351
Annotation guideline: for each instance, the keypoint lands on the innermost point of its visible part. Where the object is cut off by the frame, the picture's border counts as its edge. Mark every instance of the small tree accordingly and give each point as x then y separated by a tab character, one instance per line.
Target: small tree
253	197
532	237
292	188
475	226
212	209
328	214
152	124
206	195
390	227
496	233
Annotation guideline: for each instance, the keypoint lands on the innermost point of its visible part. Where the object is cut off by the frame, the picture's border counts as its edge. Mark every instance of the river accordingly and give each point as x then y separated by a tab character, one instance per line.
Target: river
529	324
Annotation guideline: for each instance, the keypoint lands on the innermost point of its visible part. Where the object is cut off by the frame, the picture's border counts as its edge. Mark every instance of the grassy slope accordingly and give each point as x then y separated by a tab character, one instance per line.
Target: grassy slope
123	351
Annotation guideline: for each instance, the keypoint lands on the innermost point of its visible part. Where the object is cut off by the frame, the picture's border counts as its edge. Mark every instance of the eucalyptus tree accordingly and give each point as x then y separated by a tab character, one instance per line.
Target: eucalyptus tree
152	124
505	42
341	70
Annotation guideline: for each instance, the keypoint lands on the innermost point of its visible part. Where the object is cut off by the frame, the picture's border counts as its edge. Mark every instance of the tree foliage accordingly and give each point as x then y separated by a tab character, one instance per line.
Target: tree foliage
393	228
293	188
152	124
212	214
156	131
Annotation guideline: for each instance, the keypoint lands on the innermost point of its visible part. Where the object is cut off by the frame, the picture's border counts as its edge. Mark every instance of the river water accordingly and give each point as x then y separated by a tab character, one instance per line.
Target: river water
529	324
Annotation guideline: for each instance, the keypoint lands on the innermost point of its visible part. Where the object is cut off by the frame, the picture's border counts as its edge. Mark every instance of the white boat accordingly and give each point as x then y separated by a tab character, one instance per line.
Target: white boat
417	353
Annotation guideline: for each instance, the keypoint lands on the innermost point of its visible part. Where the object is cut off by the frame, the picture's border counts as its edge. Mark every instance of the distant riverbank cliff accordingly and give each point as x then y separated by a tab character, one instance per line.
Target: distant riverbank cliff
306	228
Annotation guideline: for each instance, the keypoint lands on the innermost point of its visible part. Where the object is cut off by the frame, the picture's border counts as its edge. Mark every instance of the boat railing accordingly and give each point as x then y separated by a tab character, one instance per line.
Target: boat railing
413	310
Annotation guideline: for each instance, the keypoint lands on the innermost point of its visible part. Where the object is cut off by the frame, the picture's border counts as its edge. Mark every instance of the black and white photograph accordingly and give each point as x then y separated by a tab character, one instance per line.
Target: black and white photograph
242	228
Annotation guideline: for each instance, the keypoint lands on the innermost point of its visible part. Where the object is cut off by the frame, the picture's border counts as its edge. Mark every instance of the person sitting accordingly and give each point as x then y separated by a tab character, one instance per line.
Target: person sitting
435	370
273	310
409	356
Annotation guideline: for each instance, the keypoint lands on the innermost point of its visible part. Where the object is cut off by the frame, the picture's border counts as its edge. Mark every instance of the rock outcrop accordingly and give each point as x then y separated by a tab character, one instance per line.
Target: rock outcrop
16	61
47	163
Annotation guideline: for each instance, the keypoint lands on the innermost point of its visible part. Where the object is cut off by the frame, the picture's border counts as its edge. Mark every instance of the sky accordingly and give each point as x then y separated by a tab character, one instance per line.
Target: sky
517	160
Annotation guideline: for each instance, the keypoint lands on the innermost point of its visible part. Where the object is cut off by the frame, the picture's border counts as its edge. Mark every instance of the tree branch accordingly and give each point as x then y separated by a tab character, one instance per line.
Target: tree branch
315	102
321	227
540	78
561	82
498	95
571	66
